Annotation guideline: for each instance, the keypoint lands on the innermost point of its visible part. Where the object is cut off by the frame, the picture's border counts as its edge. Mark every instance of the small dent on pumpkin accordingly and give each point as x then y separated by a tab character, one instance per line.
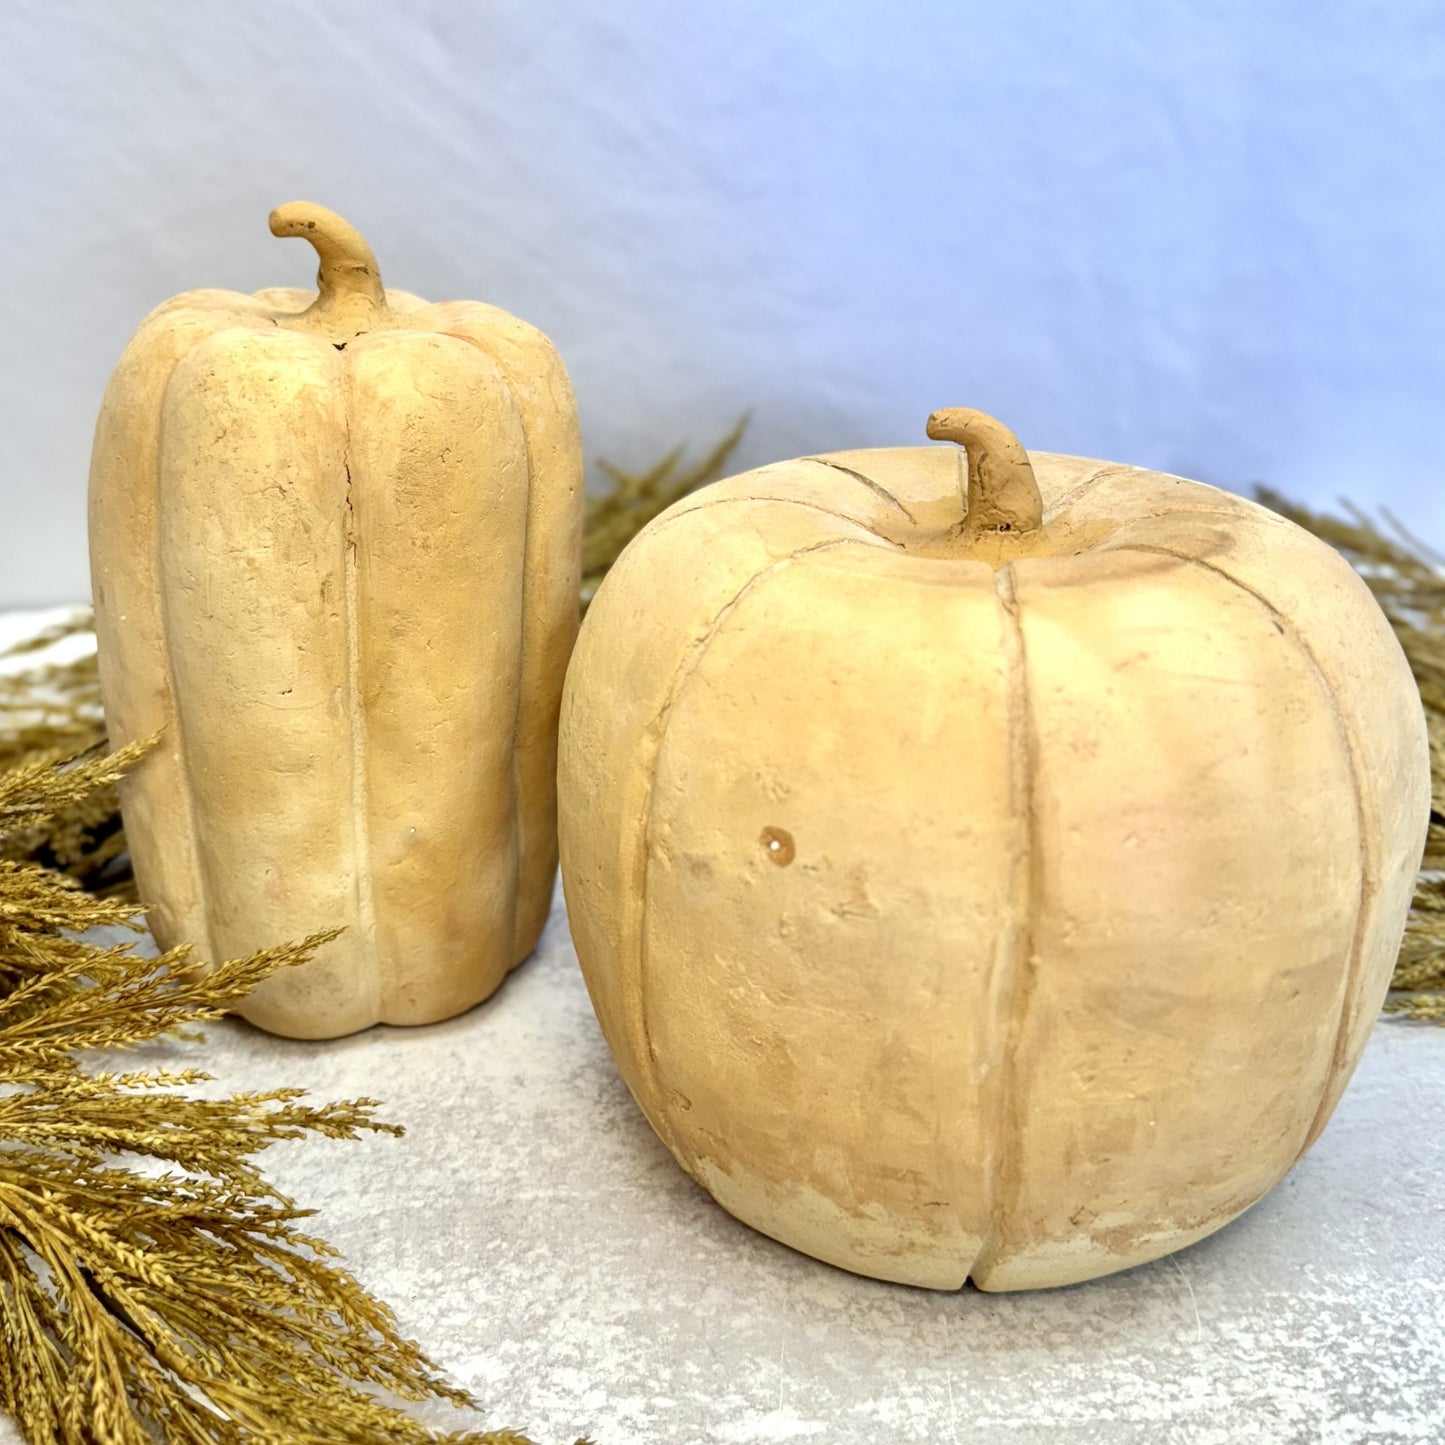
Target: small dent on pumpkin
778	845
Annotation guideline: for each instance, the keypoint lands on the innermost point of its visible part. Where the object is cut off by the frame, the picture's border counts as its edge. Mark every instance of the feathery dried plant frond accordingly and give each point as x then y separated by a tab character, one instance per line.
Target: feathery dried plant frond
48	706
612	519
1408	580
1418	987
50	711
180	1300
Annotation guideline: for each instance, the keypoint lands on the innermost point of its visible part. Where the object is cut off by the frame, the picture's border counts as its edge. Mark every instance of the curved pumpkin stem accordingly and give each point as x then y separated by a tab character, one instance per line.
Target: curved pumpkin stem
1003	495
349	281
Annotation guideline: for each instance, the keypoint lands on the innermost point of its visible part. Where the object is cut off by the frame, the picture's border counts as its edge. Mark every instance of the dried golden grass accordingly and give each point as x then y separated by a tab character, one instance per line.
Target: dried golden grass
179	1300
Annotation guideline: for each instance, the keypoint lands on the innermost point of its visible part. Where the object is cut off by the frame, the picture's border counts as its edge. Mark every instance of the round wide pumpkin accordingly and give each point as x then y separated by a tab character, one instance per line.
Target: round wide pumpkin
986	870
335	550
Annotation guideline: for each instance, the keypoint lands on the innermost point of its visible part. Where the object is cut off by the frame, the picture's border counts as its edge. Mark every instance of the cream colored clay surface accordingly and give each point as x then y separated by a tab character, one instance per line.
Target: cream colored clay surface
335	543
975	882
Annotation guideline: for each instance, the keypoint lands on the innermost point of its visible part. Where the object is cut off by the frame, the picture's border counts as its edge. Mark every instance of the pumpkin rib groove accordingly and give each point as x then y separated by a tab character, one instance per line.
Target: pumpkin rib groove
514	773
1078	490
173	711
191	832
524	582
1366	825
876	488
519	850
635	926
356	719
1013	992
870	539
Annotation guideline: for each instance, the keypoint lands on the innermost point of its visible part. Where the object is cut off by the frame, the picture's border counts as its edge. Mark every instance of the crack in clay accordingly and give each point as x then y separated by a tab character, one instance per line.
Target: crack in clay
1369	861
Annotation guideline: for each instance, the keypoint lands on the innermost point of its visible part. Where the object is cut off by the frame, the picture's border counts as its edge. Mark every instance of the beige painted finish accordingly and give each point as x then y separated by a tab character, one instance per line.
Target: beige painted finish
974	883
335	556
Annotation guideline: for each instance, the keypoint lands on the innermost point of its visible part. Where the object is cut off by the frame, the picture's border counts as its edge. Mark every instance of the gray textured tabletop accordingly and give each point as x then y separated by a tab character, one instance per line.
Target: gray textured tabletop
532	1232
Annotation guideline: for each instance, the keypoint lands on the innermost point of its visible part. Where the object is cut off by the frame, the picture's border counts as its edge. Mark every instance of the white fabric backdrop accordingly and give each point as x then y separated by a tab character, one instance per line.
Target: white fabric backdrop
1201	238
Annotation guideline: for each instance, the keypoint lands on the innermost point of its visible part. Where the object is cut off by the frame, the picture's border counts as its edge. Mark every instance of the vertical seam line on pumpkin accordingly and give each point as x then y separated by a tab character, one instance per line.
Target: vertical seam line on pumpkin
514	772
519	826
876	488
1014	973
183	756
657	730
519	829
1368	852
1080	489
356	712
669	518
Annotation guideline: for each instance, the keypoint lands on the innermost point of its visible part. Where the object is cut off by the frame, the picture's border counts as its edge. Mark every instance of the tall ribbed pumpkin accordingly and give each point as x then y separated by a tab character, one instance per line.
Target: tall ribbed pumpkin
335	552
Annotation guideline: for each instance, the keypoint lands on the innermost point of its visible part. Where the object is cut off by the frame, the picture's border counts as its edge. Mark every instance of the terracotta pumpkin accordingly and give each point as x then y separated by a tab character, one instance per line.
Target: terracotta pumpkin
335	543
986	870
